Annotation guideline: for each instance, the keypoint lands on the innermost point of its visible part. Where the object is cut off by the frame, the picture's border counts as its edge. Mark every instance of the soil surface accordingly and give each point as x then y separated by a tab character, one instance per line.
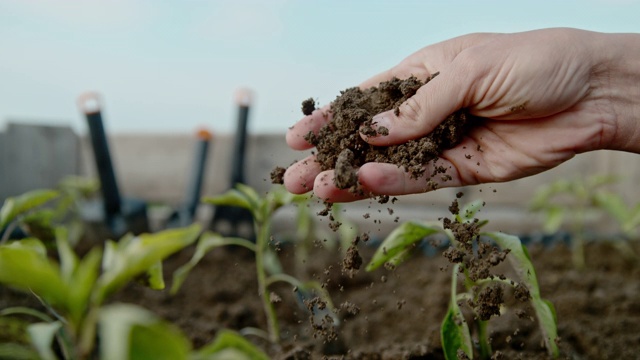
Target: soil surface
396	313
339	144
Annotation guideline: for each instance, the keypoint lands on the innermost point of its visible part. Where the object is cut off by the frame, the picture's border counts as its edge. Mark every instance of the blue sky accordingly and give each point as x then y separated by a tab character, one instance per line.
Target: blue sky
172	66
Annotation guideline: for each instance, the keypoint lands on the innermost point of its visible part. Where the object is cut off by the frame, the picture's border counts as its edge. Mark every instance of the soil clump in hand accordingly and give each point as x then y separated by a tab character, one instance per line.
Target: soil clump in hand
339	144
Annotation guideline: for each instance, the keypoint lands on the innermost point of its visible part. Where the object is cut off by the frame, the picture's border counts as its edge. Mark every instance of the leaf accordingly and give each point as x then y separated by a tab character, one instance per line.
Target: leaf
554	217
229	345
134	256
454	331
15	351
468	212
18	205
208	241
68	258
232	197
613	205
21	310
155	280
24	265
251	194
521	262
400	239
131	332
82	283
42	336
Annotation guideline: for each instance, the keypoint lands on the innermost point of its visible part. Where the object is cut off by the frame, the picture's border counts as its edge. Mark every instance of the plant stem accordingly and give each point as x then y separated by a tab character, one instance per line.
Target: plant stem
577	244
483	339
262	240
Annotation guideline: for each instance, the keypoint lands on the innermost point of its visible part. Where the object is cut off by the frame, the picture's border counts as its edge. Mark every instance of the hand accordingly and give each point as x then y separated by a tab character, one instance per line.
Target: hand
545	96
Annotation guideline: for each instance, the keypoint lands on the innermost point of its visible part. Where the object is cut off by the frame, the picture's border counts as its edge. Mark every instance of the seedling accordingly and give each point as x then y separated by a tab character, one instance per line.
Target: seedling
575	202
268	268
472	258
74	292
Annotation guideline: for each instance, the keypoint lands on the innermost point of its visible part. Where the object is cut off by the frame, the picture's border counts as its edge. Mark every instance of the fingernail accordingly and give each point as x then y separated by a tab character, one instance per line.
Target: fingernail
383	122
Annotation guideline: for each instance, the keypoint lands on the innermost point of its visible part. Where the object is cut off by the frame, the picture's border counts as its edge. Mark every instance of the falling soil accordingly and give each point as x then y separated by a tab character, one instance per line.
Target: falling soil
339	144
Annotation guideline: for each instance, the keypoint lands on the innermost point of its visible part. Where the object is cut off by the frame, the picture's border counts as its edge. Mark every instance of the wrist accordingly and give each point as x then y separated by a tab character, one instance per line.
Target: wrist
617	75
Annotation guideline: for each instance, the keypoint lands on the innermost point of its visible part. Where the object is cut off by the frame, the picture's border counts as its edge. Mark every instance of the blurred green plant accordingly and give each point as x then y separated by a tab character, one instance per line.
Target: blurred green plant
28	211
467	251
576	202
73	291
268	268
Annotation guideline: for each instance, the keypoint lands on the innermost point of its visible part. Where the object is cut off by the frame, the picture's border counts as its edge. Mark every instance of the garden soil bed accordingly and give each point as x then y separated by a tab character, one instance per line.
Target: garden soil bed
400	310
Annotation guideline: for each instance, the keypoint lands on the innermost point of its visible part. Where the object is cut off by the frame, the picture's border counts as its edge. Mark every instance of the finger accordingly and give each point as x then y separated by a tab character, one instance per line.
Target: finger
389	179
325	189
421	113
312	123
299	177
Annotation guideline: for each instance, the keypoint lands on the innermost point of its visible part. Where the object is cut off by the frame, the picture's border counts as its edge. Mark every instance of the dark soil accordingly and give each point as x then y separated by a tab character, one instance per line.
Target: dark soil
339	144
396	314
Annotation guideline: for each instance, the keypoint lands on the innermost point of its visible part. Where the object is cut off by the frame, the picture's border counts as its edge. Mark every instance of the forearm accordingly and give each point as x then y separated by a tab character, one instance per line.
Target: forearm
619	73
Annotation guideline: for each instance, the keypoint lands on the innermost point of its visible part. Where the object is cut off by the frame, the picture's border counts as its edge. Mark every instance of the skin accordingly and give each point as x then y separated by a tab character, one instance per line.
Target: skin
545	96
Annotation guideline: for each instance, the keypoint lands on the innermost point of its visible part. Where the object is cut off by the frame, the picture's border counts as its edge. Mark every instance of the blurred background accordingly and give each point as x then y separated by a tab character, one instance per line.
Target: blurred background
166	69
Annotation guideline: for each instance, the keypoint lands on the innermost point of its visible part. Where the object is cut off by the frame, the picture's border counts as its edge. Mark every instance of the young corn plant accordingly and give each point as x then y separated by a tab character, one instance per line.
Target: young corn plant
575	202
268	268
73	290
483	291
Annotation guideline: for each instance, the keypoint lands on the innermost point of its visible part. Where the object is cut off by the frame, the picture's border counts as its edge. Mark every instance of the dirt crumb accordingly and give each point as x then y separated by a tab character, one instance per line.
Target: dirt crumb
277	175
308	106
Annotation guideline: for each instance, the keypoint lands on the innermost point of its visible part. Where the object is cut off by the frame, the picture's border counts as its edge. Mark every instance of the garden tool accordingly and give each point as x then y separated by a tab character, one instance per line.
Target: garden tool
185	215
231	220
117	215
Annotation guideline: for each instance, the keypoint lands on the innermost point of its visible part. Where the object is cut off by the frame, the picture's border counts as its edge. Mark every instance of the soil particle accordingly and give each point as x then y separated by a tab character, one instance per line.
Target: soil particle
488	302
308	106
521	293
350	308
345	174
277	175
274	298
352	261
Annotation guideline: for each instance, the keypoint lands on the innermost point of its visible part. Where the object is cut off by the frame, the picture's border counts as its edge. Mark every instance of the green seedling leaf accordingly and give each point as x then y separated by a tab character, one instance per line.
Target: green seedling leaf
24	265
18	205
68	258
155	280
232	197
454	331
82	186
131	332
81	284
554	217
469	211
133	256
521	262
39	224
249	193
17	352
208	241
229	345
400	239
613	205
21	310
42	336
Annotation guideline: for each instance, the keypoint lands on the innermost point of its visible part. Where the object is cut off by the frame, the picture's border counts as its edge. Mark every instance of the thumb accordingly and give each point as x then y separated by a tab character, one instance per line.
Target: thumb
421	113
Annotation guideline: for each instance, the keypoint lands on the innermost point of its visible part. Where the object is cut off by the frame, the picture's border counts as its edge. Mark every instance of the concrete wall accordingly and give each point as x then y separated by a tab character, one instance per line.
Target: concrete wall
36	156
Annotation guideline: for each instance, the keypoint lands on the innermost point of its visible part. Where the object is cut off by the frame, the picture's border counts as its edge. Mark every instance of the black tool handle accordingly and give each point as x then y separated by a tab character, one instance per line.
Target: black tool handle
243	99
106	173
197	176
